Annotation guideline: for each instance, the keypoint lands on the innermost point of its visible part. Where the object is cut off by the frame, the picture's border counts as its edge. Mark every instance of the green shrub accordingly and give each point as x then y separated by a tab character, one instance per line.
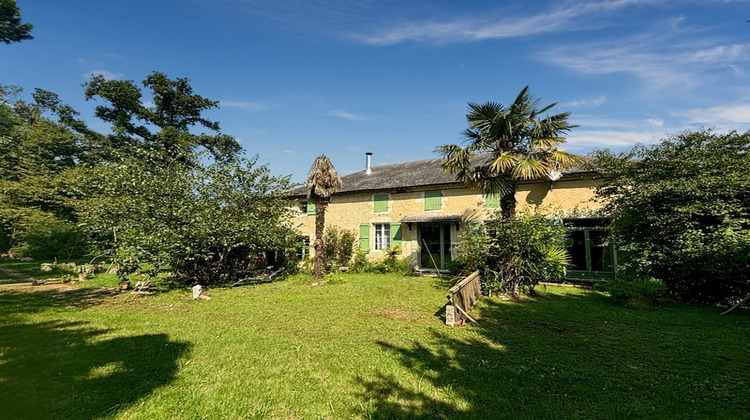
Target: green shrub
334	278
338	247
50	237
682	211
515	254
390	264
640	290
360	263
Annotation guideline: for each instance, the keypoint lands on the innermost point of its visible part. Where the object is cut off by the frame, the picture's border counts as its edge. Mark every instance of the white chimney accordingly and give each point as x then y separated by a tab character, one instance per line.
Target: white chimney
368	161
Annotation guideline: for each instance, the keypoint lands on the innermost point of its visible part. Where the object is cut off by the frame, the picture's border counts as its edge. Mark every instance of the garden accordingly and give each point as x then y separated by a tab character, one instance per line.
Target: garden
365	346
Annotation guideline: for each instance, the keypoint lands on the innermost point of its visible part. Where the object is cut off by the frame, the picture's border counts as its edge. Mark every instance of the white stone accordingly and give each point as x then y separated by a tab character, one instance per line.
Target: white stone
450	315
197	291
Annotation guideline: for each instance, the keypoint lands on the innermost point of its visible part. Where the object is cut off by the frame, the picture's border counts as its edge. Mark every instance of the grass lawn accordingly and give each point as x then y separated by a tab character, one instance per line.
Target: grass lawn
373	346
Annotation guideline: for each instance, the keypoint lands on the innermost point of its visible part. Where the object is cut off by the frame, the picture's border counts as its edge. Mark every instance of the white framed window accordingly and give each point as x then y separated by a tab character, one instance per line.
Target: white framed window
303	250
382	236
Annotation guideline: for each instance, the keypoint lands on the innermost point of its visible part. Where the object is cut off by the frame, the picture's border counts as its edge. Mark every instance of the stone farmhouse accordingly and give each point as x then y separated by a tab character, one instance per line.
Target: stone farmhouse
420	209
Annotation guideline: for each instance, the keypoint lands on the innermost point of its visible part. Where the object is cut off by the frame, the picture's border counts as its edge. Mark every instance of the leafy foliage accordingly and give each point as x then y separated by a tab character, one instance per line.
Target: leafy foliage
153	191
514	255
390	264
40	149
11	28
338	247
175	111
682	212
507	144
210	223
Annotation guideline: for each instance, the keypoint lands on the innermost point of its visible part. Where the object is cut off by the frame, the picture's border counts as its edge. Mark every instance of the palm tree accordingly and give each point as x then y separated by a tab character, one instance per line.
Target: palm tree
321	184
508	144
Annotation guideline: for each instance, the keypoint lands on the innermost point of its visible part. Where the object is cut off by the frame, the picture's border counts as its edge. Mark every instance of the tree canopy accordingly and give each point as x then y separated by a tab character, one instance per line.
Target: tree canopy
39	153
165	125
156	189
681	212
11	28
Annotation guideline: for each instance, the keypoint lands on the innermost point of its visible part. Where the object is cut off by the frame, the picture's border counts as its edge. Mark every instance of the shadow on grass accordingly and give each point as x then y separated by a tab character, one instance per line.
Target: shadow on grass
32	299
70	370
570	355
62	369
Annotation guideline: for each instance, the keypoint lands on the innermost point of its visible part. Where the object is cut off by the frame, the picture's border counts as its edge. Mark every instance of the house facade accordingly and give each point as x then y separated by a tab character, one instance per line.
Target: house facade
421	210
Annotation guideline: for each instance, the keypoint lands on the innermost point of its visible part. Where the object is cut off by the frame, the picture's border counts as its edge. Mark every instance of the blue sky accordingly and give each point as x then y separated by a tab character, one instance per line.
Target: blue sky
300	78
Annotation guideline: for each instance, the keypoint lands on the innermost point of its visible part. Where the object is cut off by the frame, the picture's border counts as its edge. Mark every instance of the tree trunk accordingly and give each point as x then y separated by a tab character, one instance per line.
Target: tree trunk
320	224
508	204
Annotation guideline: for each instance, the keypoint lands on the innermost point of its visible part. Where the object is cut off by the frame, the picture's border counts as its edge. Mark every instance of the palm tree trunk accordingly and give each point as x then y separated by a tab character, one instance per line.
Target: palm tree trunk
320	224
508	201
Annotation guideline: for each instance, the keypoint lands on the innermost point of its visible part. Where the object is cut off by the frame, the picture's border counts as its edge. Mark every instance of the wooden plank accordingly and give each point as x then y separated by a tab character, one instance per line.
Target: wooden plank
462	297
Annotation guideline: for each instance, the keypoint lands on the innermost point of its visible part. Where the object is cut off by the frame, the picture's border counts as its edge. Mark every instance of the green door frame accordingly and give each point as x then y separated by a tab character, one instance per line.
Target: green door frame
589	273
445	232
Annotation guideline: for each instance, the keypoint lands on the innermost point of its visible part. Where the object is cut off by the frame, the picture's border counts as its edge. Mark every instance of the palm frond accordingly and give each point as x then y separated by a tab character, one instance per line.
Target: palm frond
504	162
529	167
545	144
562	159
323	180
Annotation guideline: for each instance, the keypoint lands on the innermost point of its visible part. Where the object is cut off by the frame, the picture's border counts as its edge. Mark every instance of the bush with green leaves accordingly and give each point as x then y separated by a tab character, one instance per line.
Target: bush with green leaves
360	264
682	212
209	223
390	264
338	247
45	236
514	255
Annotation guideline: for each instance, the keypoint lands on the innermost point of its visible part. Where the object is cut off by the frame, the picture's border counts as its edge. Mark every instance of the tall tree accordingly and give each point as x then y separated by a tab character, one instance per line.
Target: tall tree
322	183
168	194
176	110
508	144
39	152
11	28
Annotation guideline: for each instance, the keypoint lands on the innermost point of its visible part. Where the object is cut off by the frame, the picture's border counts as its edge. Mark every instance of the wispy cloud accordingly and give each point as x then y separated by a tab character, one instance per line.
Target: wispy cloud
108	75
250	106
598	132
732	116
616	139
345	115
499	25
656	121
658	58
589	103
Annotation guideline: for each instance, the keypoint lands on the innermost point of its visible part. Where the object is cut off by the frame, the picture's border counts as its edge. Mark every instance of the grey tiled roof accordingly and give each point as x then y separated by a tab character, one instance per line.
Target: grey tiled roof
398	175
419	173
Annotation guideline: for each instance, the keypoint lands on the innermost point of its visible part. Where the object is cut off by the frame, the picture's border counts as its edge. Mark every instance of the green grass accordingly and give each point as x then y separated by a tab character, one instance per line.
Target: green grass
373	346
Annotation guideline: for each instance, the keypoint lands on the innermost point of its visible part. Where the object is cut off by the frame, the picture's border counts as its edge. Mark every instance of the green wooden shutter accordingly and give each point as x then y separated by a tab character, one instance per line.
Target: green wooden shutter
364	237
310	207
381	203
492	201
396	236
433	200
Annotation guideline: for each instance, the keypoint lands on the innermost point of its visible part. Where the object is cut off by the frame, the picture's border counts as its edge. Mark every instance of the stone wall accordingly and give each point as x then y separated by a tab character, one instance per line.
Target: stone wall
348	211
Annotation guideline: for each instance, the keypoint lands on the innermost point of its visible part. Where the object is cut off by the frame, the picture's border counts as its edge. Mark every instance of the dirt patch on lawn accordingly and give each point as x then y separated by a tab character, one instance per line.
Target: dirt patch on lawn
15	276
61	294
399	314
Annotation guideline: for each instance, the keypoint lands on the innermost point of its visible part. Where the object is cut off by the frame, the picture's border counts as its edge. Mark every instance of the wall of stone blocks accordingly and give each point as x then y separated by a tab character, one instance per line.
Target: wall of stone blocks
348	211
